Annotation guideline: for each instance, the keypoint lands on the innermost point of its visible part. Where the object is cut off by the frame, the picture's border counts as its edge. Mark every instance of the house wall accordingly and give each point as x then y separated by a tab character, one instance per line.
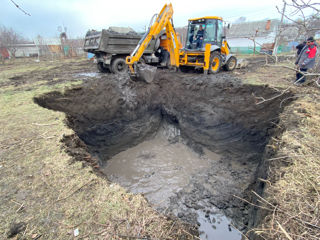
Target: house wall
245	45
26	51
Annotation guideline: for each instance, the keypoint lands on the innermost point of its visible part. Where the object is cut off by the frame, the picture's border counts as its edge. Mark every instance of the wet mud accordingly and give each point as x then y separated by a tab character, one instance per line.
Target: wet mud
63	73
204	134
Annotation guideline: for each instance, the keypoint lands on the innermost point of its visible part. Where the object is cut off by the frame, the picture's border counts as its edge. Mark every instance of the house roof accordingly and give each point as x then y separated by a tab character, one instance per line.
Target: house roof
47	41
21	45
250	29
289	32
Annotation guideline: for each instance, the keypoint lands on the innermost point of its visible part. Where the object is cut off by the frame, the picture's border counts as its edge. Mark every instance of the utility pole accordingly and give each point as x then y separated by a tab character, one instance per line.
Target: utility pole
276	41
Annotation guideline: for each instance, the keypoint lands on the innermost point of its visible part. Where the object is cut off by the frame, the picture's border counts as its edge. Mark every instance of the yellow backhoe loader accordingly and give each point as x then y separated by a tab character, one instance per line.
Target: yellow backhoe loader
205	47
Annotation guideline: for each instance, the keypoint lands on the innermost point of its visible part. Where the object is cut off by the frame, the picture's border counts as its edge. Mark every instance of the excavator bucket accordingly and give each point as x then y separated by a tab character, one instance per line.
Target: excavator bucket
145	72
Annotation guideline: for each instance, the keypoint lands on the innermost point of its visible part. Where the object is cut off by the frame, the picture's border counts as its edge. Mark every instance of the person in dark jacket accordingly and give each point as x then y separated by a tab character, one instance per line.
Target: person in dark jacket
300	46
306	59
163	56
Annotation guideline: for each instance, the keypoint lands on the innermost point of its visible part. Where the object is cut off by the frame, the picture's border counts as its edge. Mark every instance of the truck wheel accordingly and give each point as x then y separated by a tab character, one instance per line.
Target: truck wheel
231	64
102	68
215	62
119	66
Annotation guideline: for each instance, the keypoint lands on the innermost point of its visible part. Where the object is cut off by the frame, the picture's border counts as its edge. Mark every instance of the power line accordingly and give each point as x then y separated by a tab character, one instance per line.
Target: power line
20	8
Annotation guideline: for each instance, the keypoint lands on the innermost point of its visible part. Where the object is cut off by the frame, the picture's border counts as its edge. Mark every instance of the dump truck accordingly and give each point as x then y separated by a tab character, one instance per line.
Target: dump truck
111	46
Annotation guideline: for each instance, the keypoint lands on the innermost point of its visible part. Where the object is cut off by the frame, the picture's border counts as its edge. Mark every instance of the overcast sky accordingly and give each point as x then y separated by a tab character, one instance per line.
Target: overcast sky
80	15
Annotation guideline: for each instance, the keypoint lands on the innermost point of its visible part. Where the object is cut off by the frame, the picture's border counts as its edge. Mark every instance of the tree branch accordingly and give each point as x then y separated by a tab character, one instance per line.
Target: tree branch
274	97
317	80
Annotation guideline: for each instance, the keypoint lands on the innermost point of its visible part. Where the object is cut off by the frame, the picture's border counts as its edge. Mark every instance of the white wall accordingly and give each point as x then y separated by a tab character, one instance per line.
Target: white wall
245	42
26	51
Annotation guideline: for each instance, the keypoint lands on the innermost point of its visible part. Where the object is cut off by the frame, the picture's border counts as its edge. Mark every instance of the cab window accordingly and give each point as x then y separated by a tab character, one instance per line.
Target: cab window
220	32
210	35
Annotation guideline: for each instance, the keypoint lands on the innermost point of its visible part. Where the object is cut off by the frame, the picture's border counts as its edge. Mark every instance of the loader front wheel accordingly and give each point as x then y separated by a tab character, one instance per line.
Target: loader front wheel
231	64
215	62
119	66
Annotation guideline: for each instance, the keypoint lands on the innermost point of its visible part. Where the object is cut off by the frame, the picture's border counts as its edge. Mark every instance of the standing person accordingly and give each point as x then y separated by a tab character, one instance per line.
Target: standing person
306	59
300	46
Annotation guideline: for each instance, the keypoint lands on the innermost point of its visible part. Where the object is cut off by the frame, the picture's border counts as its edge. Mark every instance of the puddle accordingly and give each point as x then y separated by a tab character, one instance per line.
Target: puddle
89	74
216	227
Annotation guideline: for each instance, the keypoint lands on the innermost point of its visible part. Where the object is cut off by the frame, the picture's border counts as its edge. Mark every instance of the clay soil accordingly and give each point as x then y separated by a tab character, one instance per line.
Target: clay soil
47	193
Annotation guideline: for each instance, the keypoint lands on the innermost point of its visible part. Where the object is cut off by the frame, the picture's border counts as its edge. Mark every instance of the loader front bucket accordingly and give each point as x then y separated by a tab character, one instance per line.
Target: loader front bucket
145	72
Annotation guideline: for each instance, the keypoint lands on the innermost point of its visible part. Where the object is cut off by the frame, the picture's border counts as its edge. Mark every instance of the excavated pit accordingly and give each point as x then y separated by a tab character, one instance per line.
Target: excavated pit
189	143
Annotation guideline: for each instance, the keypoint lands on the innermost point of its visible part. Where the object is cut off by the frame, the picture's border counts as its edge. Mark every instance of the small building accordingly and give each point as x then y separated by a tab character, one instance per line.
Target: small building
244	37
60	46
26	50
48	46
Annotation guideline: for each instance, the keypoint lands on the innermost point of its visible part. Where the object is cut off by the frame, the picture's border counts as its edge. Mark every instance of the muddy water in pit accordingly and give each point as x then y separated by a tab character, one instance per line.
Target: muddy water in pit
157	168
162	166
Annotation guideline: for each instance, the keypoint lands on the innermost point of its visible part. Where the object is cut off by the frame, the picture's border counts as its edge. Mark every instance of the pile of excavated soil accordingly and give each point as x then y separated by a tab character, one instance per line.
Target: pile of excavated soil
215	112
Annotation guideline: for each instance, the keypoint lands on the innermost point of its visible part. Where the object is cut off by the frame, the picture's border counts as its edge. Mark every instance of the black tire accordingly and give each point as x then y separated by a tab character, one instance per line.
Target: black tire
231	64
186	69
215	62
119	66
102	68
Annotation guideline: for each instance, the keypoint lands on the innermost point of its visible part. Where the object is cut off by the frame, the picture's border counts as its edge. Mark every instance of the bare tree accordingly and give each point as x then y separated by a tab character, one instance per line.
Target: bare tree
276	42
307	25
9	39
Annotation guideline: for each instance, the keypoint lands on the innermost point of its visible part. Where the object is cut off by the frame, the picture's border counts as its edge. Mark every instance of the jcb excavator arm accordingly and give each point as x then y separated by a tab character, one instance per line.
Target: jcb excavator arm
163	20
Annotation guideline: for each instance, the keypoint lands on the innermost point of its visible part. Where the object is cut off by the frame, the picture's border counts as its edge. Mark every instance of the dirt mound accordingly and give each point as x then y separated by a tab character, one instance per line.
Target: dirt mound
215	112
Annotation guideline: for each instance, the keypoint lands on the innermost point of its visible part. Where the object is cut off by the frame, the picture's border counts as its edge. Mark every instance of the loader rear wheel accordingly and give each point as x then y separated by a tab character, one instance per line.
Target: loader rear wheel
102	68
215	62
119	66
231	64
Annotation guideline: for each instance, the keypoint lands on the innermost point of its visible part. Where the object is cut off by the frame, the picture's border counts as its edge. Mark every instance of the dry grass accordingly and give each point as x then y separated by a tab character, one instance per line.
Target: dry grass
292	194
41	188
295	189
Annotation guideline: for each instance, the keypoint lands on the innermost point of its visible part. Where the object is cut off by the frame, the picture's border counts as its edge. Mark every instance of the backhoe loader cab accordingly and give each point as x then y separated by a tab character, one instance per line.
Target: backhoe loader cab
204	30
205	46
